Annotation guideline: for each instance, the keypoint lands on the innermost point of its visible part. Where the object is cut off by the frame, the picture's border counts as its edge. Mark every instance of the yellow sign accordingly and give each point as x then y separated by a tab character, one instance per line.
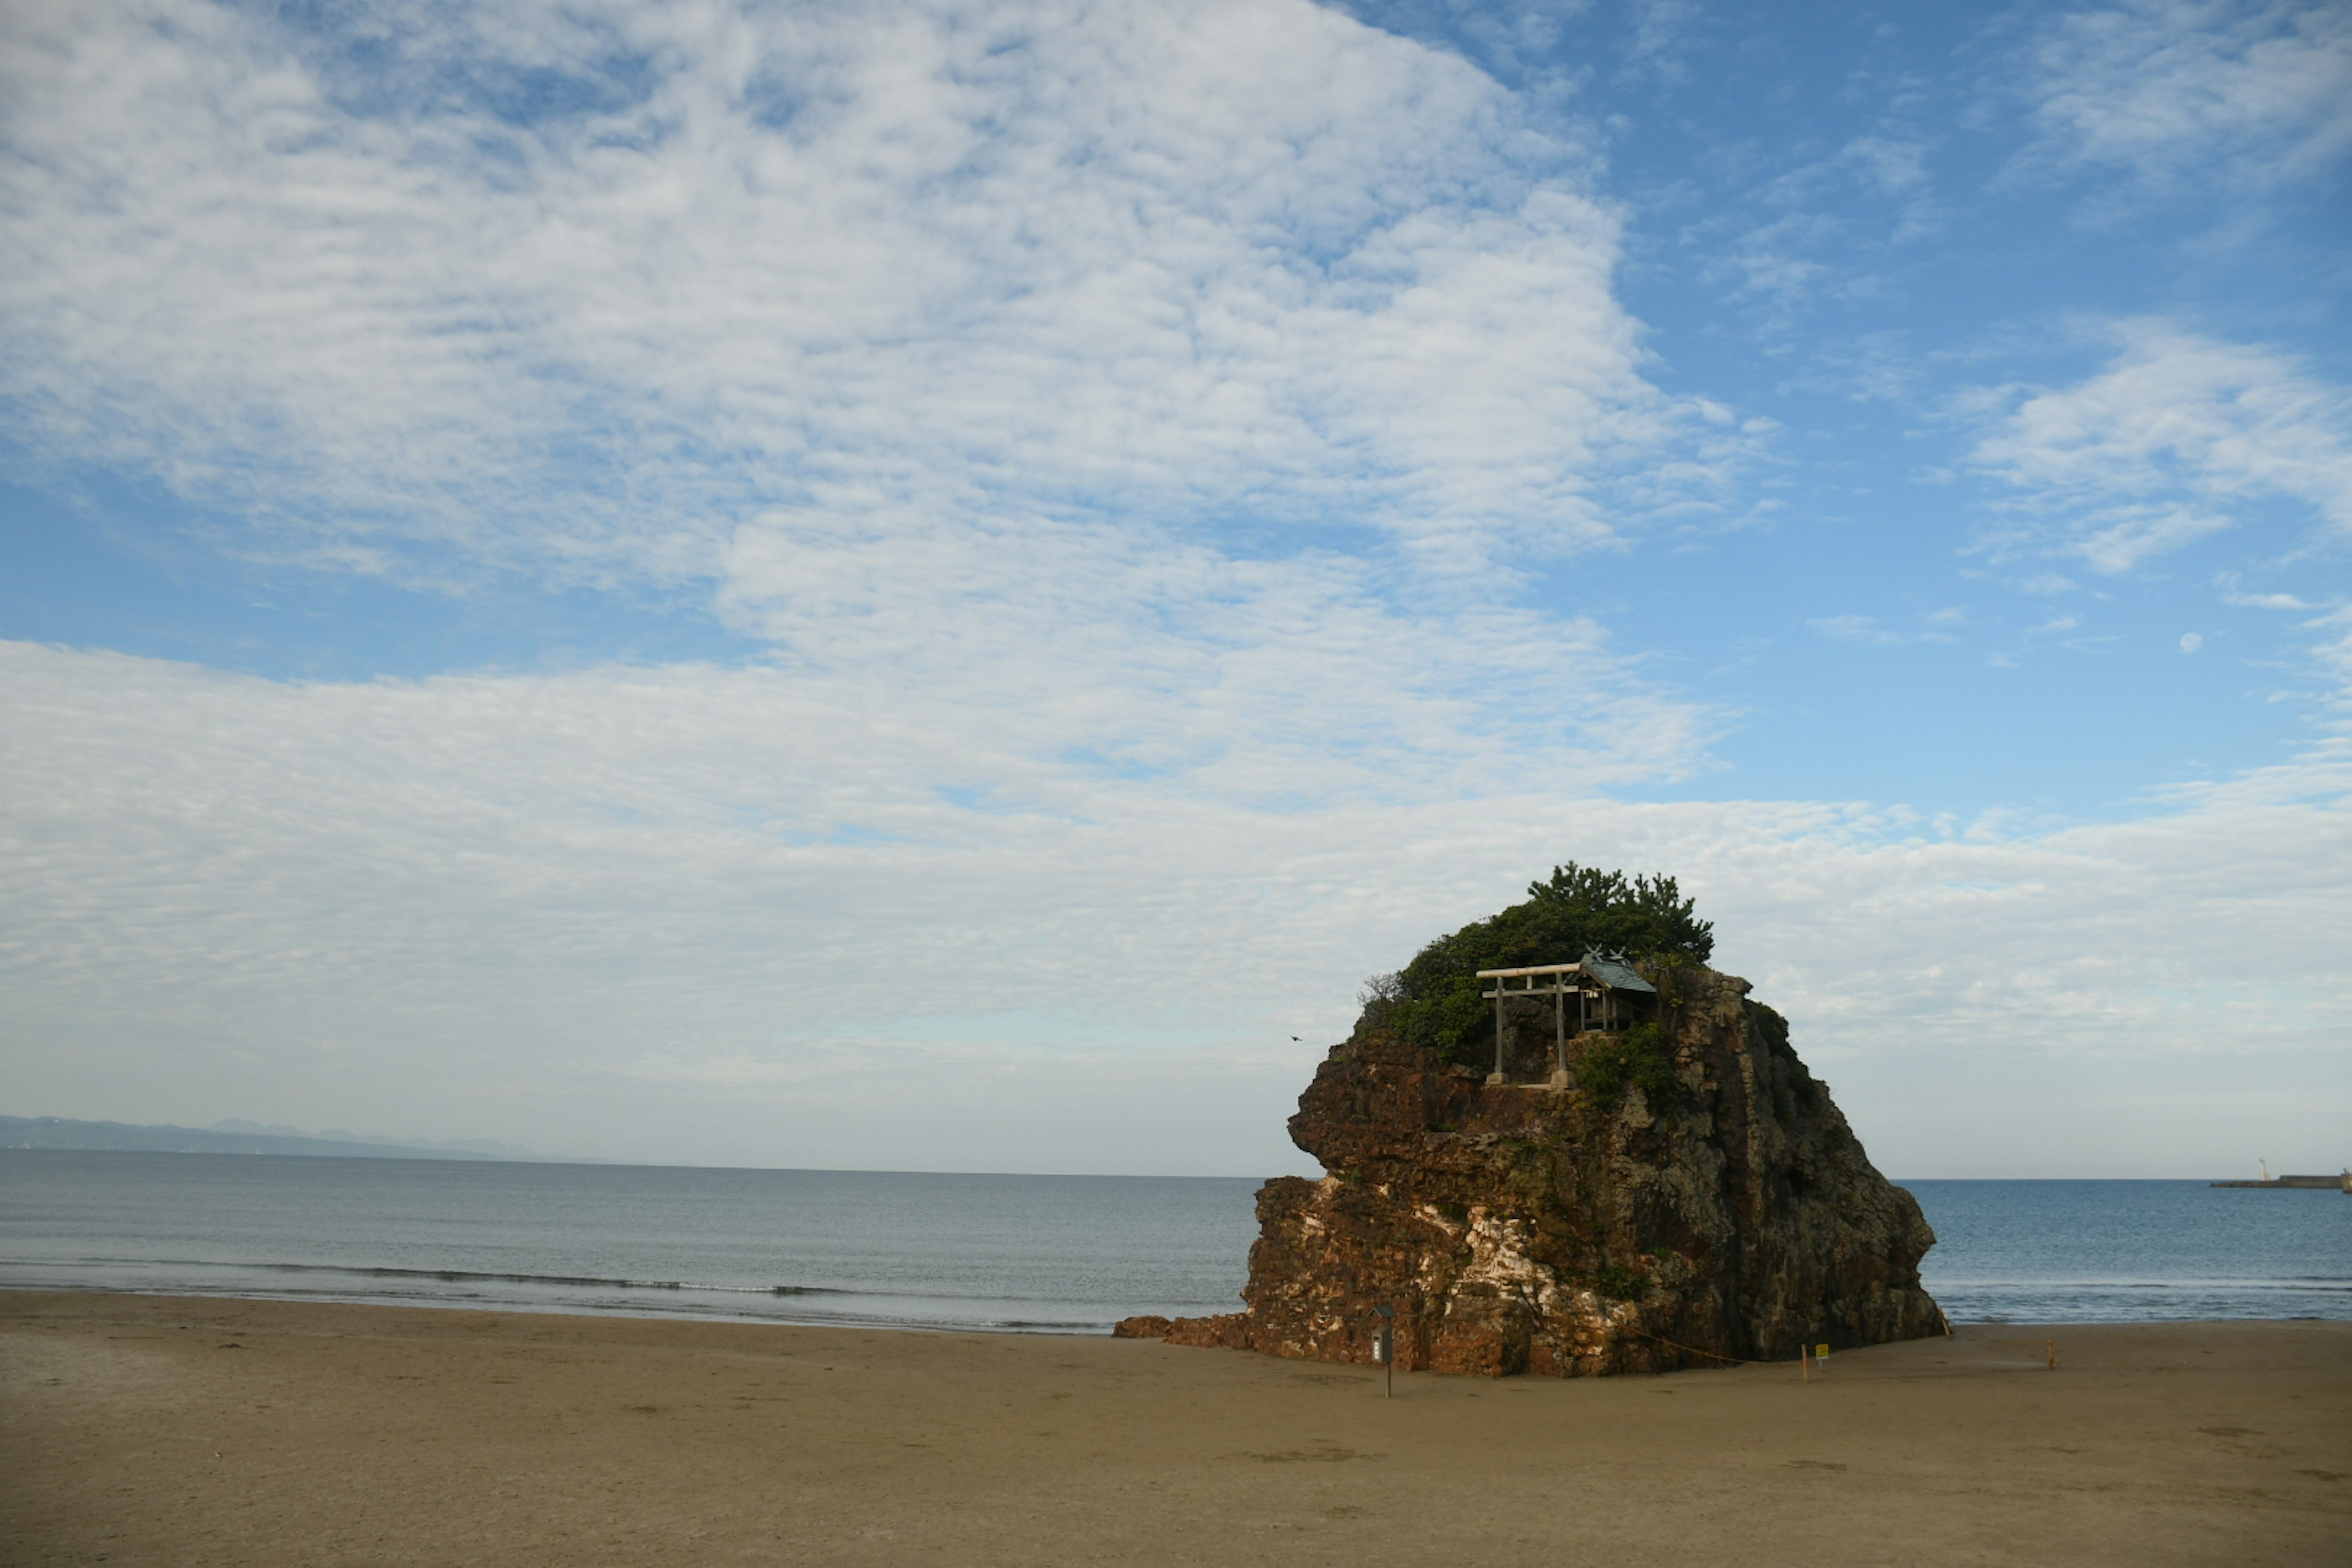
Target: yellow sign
1821	1353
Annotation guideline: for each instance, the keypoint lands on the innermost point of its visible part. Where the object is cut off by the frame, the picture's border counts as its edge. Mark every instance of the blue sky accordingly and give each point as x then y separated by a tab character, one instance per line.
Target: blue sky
923	585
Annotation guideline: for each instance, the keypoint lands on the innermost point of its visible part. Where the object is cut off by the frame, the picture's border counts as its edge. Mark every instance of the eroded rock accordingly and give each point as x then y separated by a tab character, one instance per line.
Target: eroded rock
1531	1226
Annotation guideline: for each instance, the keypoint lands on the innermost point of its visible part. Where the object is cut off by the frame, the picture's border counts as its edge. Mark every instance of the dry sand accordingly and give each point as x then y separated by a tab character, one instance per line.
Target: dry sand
137	1429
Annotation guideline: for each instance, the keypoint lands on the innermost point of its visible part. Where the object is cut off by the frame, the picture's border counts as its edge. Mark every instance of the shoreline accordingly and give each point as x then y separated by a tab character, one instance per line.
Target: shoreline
199	1430
1012	1331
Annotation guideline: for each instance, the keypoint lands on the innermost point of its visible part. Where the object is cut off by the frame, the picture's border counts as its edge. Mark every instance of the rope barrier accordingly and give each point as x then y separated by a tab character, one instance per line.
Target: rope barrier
1718	1355
2049	1345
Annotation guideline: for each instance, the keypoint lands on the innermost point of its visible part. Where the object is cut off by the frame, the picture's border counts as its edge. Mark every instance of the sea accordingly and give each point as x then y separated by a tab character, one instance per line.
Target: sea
1001	1253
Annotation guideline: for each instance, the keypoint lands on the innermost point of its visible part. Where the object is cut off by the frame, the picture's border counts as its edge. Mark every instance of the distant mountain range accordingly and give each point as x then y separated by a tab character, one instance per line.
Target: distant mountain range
235	1137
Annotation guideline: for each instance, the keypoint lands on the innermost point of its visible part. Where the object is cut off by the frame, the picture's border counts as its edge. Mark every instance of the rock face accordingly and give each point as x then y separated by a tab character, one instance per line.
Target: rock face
1725	1213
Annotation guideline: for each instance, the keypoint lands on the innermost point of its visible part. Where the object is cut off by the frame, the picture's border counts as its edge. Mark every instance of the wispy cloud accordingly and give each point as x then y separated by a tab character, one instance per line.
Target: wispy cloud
1935	626
2179	438
1248	679
623	911
596	284
2218	91
1124	431
1660	34
1838	218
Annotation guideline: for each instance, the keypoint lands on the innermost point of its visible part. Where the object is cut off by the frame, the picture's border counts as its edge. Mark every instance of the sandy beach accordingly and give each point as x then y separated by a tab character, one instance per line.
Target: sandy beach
144	1429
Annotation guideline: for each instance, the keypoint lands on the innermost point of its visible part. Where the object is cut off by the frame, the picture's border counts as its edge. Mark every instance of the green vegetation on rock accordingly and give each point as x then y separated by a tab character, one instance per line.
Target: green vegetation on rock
1620	1283
1614	1063
1435	1000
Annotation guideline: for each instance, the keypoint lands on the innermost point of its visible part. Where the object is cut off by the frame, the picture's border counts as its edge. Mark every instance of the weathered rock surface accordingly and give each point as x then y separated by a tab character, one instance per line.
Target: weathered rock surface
1525	1228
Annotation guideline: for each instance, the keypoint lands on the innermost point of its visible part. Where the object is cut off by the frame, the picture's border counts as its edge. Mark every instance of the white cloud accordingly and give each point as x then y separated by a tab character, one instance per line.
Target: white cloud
2179	438
979	358
941	341
2167	90
2264	601
1661	30
1839	220
928	259
699	913
2334	652
1934	628
1255	679
984	361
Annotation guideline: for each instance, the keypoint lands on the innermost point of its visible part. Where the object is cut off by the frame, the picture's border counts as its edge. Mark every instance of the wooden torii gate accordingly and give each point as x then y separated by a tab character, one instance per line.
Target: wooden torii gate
1585	980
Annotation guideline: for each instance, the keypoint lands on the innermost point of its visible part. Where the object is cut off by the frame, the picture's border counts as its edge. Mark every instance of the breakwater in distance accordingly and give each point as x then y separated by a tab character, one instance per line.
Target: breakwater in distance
2339	1183
1009	1253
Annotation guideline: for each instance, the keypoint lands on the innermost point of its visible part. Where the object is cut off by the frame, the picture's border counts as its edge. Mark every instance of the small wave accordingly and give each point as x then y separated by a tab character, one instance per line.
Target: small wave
592	1281
565	1292
1060	1325
502	1277
2320	1282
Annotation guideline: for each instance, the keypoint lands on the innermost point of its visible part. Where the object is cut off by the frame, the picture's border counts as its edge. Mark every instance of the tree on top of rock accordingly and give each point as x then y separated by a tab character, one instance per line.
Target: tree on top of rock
1435	1000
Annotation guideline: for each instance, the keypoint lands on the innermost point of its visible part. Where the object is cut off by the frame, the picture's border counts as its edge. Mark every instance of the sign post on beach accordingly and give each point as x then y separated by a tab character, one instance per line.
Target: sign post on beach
1384	1345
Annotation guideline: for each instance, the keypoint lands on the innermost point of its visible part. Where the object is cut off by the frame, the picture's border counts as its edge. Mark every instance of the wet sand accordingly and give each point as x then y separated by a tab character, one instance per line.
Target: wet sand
141	1429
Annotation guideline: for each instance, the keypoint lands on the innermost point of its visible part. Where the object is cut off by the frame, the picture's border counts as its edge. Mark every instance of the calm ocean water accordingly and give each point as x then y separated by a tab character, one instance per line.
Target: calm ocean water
1021	1253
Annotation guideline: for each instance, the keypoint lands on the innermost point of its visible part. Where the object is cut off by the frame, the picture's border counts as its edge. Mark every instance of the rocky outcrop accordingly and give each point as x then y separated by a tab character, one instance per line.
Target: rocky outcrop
1579	1223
